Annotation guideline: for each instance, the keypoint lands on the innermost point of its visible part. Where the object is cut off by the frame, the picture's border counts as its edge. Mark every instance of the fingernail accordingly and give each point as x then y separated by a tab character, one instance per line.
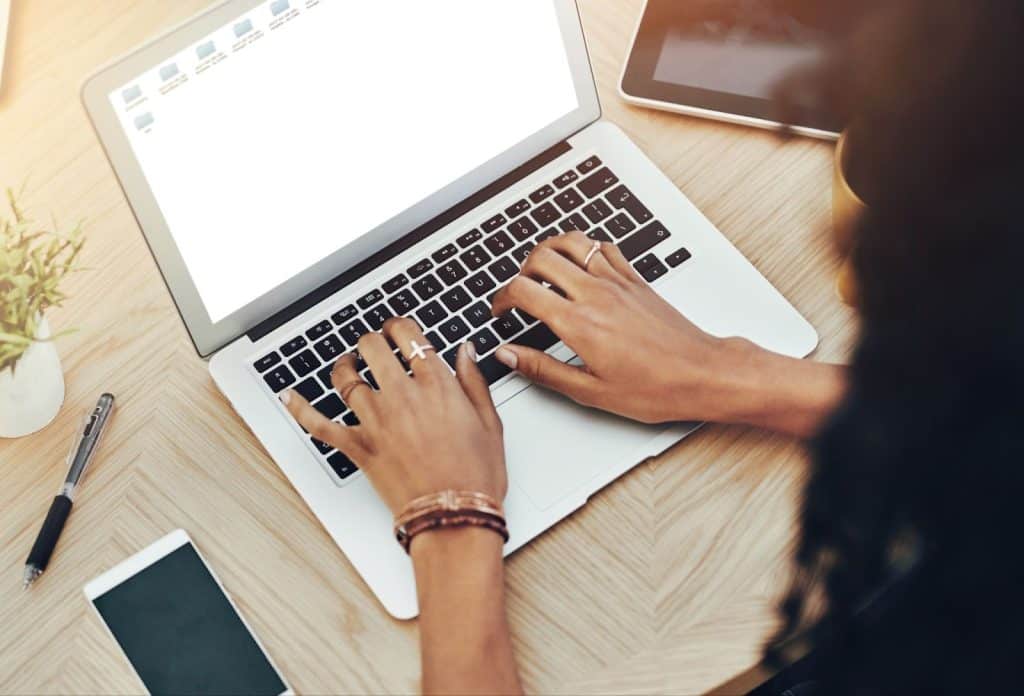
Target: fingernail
507	357
286	396
471	351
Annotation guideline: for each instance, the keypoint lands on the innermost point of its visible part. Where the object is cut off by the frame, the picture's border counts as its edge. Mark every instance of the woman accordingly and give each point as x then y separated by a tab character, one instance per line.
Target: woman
917	445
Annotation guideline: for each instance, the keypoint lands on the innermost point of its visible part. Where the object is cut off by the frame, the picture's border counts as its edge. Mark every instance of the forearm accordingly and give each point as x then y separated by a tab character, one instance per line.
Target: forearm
779	393
464	634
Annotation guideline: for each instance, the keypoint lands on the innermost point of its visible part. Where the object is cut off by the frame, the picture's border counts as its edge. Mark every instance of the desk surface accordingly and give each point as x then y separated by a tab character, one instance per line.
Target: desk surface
666	582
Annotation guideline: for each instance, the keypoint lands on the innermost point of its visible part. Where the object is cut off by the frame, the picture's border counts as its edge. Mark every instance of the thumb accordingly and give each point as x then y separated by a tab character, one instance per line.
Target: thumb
539	367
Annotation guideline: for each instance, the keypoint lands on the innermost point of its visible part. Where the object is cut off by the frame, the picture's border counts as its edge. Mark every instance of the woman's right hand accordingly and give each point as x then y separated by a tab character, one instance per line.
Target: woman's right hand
642	358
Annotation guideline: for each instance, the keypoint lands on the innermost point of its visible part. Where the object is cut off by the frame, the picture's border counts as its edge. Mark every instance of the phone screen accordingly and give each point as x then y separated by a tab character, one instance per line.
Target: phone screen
181	633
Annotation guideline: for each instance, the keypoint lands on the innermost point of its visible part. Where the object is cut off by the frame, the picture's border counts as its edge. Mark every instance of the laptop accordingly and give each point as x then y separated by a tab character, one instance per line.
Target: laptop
304	169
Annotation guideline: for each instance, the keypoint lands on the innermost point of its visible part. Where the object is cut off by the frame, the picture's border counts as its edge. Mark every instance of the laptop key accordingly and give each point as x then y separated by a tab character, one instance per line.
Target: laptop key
546	234
597	182
522	252
599	235
404	302
430	314
589	165
369	299
522	229
498	243
342	465
321	447
469	238
427	286
377	316
419	268
456	298
344	314
621	197
267	362
371	380
485	341
330	348
435	340
450	355
444	253
540	337
350	419
620	225
318	331
491	369
650	268
453	329
475	258
597	211
451	272
569	200
493	223
293	346
545	215
517	209
279	378
480	284
331	406
574	222
478	315
526	317
303	363
542	193
566	179
507	326
324	374
396	283
352	331
310	389
643	240
503	269
678	257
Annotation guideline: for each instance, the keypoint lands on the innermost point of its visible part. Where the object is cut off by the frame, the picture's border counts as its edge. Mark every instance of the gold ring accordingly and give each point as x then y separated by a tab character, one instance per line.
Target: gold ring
347	389
590	255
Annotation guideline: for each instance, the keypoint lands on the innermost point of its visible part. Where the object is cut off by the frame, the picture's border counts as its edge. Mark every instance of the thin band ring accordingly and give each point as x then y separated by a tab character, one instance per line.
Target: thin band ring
347	389
590	255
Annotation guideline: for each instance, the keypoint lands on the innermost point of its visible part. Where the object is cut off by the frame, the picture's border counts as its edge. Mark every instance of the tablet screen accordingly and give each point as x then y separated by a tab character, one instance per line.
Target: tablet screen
301	125
181	633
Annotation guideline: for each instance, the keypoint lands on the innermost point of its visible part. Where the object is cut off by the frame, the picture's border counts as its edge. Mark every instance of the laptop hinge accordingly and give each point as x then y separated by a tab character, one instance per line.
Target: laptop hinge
395	248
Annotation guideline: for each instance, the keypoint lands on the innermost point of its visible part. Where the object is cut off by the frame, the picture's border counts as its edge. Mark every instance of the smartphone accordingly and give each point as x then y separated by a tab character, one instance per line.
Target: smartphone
177	626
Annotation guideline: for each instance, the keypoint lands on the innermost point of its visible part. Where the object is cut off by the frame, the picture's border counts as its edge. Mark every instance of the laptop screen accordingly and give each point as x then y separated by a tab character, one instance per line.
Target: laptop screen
304	124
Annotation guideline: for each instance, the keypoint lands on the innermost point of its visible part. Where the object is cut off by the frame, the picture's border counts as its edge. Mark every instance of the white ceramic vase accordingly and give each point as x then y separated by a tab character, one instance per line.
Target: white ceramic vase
32	393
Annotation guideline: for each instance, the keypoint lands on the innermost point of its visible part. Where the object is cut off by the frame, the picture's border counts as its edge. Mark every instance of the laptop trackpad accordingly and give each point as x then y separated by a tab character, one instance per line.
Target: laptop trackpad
554	447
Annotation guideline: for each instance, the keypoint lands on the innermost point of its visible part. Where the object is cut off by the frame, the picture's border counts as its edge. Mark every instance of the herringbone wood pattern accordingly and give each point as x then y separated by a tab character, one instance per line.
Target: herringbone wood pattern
664	583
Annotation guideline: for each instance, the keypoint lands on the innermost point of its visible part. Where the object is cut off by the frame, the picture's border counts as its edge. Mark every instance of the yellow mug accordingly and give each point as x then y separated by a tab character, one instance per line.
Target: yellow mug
847	209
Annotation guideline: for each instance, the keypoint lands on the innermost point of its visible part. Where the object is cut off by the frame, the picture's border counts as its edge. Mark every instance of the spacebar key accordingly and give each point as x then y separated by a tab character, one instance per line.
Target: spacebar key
540	337
643	241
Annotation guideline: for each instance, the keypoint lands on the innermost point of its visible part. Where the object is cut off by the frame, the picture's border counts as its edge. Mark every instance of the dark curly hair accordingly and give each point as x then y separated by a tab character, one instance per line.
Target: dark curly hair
918	478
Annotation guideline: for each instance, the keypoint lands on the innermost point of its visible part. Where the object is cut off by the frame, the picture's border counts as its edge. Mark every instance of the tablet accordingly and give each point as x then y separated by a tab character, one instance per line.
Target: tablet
721	59
177	626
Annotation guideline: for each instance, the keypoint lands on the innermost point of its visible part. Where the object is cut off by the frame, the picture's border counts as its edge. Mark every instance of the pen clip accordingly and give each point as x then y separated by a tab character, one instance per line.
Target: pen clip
79	437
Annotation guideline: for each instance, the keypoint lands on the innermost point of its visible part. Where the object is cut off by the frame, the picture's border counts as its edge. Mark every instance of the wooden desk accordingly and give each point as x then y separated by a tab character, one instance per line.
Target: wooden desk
666	582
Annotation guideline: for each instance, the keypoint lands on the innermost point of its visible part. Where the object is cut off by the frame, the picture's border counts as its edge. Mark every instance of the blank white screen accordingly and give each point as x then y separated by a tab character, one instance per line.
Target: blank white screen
333	123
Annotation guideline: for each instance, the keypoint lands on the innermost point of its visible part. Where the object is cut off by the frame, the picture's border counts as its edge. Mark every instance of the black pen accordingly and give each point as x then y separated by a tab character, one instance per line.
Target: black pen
78	459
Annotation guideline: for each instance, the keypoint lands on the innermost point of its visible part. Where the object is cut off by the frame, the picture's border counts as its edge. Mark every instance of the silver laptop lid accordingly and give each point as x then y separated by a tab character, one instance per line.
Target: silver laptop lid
267	147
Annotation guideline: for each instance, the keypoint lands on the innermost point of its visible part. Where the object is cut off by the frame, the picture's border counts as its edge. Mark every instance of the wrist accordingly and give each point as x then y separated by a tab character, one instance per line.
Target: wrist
459	547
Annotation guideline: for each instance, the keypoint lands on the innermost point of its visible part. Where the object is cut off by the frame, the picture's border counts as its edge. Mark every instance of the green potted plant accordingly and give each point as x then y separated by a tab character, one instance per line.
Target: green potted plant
33	263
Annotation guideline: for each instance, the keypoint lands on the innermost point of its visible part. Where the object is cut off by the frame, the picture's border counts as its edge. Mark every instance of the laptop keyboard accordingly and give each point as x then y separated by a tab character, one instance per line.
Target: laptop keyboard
449	291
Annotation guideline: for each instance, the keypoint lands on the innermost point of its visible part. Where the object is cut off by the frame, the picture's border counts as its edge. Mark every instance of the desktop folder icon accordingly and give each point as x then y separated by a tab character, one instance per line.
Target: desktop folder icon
131	94
279	6
168	71
206	50
243	28
144	121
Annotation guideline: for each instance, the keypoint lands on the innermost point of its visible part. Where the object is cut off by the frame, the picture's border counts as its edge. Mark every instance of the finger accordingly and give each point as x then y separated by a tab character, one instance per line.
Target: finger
541	368
577	246
414	346
338	436
475	386
382	361
546	264
617	261
359	399
533	298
